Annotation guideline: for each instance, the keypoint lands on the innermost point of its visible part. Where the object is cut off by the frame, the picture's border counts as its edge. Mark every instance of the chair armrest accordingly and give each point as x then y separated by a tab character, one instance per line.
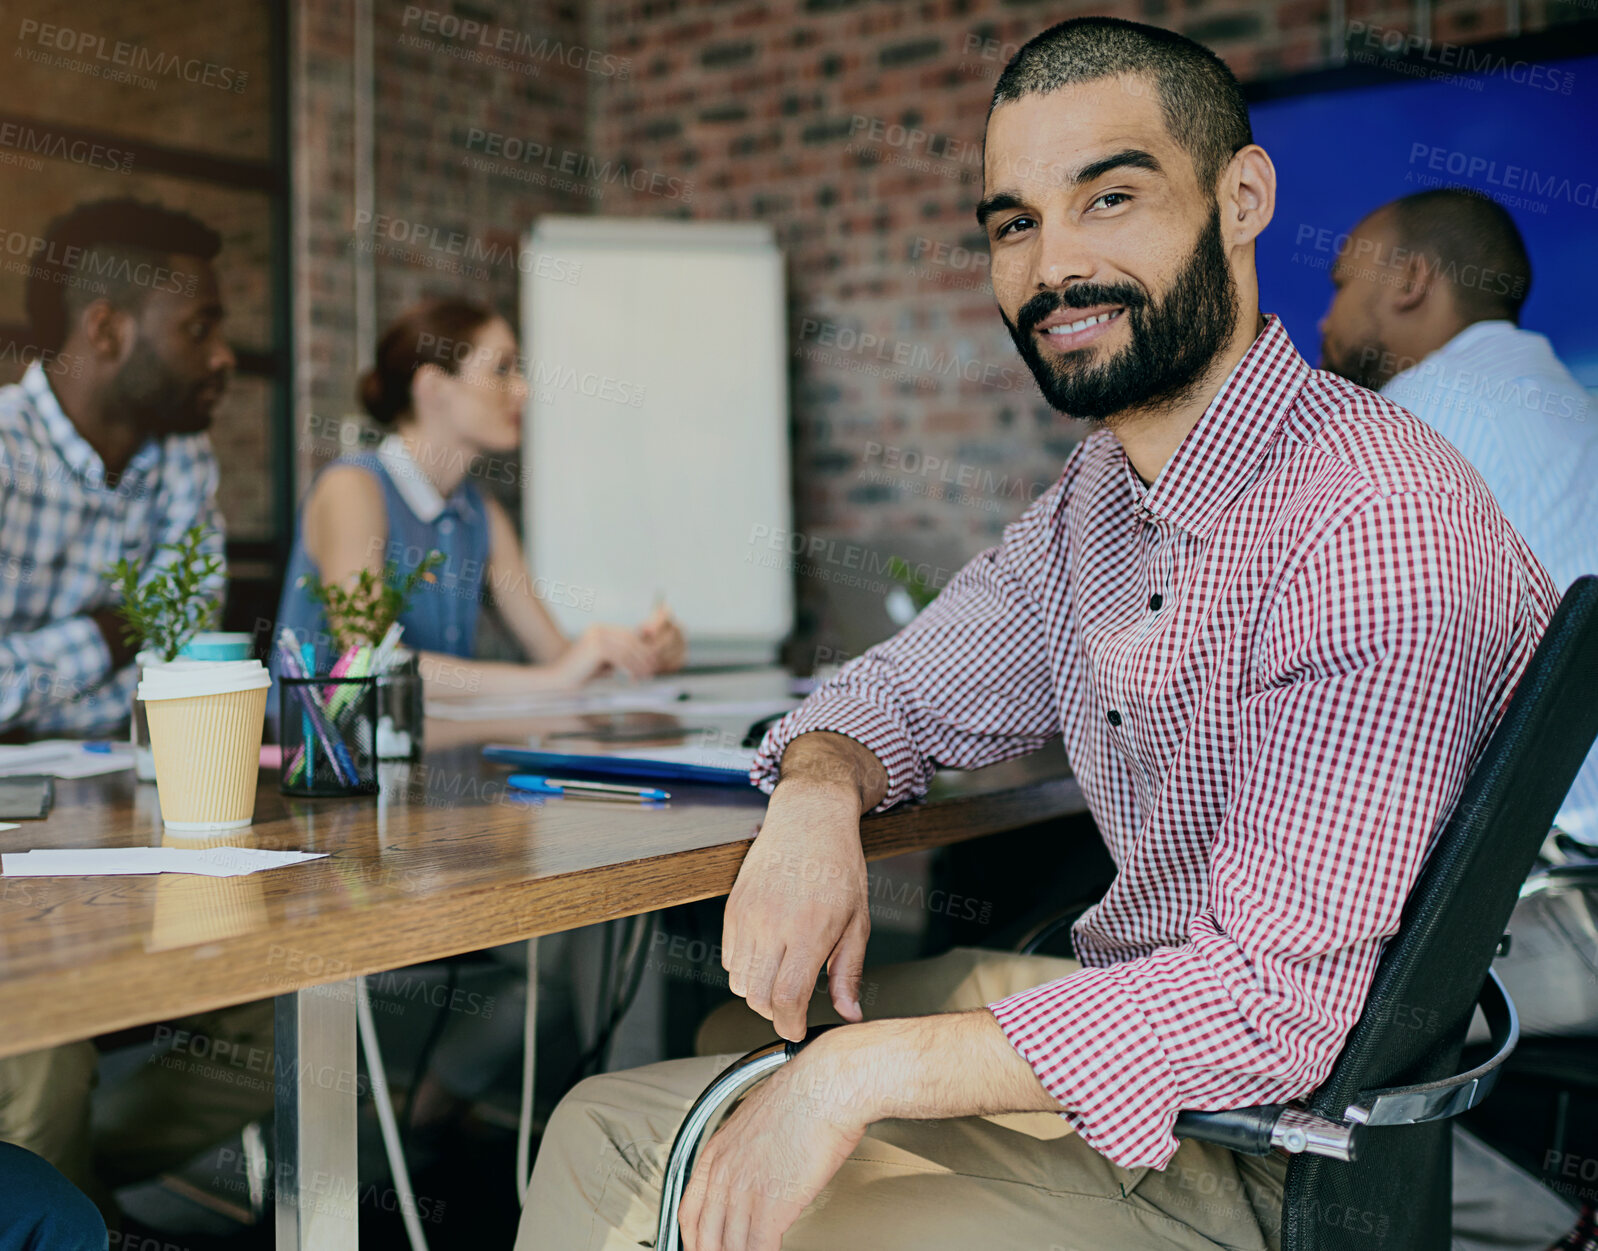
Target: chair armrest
1244	1130
703	1118
1034	942
1436	1101
1259	1130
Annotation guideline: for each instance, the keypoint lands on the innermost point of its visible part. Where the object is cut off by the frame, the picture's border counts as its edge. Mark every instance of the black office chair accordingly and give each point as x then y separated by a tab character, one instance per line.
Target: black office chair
1371	1164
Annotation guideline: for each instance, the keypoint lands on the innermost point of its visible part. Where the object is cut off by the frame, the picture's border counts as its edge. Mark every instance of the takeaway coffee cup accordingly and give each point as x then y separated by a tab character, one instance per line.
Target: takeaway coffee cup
205	721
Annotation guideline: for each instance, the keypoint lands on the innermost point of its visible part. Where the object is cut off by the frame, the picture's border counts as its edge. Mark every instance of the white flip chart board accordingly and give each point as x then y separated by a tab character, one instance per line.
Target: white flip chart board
656	439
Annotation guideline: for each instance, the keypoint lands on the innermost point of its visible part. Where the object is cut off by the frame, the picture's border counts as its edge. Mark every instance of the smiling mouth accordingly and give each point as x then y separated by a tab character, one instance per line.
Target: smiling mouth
1080	332
1076	327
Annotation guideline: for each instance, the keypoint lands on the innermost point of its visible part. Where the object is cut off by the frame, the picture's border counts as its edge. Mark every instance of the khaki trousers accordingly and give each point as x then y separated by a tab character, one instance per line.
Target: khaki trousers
1020	1181
205	1078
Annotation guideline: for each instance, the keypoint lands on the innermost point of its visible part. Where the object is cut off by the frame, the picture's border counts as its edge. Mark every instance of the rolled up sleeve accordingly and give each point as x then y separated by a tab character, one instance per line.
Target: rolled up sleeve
967	683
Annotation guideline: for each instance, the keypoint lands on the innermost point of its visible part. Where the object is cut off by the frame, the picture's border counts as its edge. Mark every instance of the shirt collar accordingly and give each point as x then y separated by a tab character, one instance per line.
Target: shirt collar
416	488
1471	336
1223	452
69	444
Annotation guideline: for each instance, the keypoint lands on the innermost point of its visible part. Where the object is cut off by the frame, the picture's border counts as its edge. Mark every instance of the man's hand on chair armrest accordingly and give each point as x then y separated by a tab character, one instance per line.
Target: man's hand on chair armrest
789	1137
800	900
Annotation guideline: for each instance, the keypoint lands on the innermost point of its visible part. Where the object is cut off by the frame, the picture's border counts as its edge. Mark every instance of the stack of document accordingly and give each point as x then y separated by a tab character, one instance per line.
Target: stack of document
97	861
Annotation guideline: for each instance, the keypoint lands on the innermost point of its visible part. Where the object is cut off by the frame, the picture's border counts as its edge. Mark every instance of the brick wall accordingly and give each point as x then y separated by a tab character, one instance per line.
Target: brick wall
854	129
447	214
199	87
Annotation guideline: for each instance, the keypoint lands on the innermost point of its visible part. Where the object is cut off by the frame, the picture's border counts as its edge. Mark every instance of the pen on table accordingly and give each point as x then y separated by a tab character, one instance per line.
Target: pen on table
559	786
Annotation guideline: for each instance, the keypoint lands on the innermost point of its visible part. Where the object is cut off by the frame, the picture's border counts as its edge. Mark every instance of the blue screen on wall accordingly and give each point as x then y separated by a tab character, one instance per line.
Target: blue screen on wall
1531	144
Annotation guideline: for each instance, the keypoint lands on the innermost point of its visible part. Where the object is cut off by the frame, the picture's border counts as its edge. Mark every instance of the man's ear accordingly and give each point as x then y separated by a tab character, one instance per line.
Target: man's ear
1247	196
1420	279
107	330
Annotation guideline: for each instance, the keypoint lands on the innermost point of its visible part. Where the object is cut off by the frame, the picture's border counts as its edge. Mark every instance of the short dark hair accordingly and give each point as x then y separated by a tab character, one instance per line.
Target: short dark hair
96	251
1475	244
1200	97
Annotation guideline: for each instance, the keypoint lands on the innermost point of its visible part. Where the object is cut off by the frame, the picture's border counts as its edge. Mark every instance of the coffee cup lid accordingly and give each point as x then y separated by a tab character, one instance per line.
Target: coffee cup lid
184	679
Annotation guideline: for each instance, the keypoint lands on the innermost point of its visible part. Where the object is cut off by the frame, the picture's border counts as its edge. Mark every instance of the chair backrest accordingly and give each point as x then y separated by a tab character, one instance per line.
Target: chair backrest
1396	1195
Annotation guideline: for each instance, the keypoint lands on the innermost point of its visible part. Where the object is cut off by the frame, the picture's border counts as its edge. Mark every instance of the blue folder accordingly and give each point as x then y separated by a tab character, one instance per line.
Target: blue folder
621	765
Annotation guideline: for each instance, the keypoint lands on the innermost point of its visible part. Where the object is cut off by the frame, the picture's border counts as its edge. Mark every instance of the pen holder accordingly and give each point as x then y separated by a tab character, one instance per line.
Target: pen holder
328	729
400	710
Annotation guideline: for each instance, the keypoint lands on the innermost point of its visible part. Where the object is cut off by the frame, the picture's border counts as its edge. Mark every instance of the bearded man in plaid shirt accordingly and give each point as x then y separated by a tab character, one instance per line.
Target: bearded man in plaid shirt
103	454
1274	618
103	451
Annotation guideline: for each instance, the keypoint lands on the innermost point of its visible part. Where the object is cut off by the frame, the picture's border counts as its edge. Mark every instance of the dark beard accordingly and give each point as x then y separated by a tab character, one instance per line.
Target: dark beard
1173	341
147	394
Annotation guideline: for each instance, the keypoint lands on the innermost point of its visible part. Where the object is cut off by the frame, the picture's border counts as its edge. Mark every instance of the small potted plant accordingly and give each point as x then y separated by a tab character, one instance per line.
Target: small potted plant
165	608
361	615
161	613
203	718
363	611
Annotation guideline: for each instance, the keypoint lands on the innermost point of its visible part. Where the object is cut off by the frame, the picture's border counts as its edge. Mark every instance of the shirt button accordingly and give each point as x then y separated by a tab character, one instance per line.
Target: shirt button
446	526
1115	717
452	633
1154	602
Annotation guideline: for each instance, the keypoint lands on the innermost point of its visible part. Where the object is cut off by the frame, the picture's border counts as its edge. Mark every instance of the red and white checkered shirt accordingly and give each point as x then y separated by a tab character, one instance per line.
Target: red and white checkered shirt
1273	670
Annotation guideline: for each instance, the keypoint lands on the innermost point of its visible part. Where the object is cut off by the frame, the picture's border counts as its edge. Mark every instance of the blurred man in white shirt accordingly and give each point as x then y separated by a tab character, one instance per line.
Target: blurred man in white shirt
1425	309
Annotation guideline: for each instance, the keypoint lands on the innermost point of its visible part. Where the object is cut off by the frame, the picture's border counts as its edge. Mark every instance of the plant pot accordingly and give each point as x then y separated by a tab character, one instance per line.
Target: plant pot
139	726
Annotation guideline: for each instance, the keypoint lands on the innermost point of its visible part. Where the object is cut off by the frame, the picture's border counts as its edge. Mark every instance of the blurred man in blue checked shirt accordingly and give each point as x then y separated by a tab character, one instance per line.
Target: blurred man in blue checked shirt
103	454
103	451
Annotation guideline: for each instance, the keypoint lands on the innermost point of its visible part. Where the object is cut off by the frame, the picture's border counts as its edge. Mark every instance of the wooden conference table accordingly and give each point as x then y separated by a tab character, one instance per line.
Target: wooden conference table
443	861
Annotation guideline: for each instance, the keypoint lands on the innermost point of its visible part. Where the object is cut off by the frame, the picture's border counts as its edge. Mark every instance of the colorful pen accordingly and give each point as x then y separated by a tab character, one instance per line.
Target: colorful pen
538	785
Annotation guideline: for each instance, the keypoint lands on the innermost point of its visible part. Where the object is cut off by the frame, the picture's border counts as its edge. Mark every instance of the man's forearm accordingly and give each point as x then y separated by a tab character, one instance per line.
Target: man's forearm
917	1068
821	758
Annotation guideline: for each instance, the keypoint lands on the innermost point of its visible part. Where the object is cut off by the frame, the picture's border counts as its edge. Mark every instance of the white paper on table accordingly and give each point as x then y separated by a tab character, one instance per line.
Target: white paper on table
9	825
64	758
101	861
